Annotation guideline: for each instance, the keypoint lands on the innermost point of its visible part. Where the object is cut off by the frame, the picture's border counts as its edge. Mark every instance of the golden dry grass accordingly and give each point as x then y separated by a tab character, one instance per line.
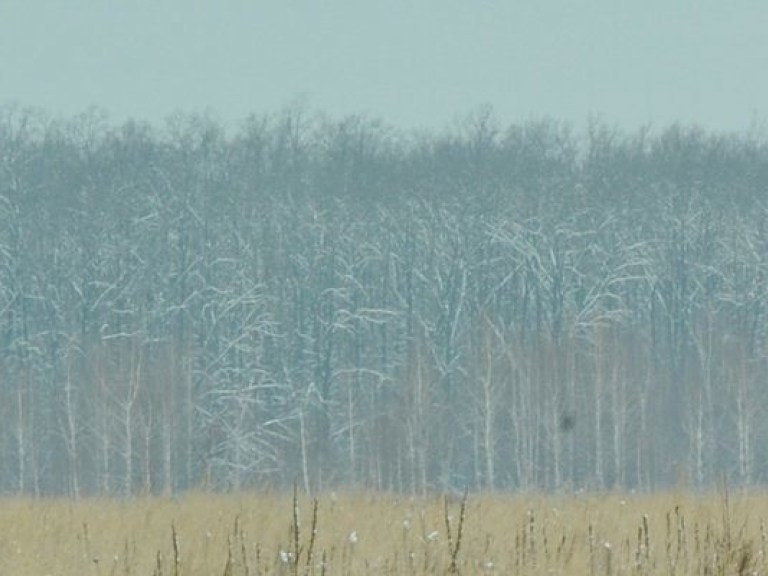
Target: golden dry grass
358	534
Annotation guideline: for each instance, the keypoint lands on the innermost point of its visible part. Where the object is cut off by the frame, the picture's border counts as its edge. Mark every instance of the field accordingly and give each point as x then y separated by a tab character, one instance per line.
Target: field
356	534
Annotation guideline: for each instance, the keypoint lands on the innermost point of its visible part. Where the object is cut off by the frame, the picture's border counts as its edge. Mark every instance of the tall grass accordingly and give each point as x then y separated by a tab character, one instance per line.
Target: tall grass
357	533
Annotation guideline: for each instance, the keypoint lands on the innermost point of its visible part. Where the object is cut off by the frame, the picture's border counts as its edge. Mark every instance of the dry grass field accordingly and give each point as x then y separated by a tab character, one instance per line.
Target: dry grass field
257	534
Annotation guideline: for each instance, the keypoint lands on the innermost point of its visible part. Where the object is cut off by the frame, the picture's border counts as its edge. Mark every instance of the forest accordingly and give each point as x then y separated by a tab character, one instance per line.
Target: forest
337	303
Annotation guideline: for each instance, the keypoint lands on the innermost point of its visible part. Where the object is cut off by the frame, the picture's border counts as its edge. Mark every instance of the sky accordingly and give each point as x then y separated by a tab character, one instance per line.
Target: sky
413	63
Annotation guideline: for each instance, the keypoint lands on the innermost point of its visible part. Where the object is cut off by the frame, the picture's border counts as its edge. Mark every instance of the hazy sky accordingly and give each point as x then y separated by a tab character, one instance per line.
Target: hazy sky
417	63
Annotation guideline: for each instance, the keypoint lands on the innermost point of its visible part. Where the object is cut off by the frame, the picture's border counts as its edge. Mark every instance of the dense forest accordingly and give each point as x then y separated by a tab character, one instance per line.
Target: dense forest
338	303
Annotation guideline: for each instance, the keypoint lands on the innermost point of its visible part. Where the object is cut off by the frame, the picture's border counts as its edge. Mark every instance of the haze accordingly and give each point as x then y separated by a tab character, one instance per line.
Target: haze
414	64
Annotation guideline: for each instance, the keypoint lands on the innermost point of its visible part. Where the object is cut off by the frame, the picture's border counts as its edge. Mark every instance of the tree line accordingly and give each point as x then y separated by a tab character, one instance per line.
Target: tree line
338	303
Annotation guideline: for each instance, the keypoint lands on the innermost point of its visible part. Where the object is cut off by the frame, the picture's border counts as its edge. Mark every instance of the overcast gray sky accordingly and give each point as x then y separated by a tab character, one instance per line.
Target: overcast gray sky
417	63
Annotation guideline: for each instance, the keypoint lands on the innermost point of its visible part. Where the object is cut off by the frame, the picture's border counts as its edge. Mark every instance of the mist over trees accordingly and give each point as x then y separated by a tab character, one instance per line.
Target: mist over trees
340	304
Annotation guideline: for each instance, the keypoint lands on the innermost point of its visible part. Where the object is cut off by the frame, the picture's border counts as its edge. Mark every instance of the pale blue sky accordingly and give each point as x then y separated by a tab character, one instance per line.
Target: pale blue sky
412	63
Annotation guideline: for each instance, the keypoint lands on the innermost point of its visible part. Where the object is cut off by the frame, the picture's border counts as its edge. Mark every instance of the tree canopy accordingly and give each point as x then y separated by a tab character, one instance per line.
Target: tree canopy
339	303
